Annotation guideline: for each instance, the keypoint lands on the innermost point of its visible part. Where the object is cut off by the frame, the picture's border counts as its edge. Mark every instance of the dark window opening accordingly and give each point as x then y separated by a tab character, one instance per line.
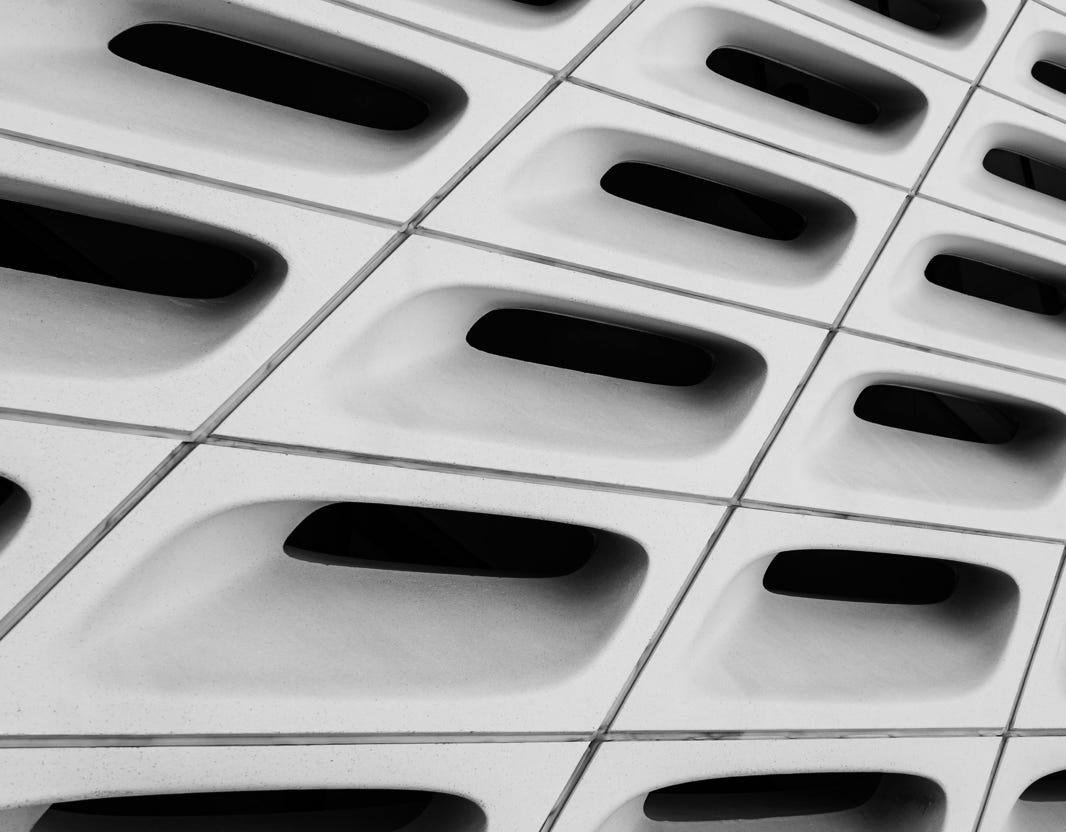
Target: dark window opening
761	797
995	284
118	255
1049	789
269	75
936	414
1034	174
378	536
913	13
316	810
8	490
865	577
590	347
793	84
1050	75
14	506
702	200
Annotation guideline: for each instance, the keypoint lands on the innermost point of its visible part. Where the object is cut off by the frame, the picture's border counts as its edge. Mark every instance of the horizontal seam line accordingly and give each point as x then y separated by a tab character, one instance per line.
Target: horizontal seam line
237	739
189	177
592	271
730	131
223	440
945	353
788	508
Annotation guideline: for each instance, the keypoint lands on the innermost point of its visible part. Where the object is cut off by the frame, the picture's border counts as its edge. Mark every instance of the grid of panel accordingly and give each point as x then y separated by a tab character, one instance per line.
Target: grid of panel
595	417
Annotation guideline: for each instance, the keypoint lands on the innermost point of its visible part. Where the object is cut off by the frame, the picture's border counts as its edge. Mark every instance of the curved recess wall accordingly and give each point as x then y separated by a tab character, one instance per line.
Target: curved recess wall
533	415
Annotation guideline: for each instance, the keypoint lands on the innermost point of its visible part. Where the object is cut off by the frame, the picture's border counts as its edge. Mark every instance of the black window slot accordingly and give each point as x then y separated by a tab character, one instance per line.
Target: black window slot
14	506
863	577
378	536
913	13
269	74
759	797
1050	74
118	255
1048	789
936	414
314	810
8	490
588	346
1034	174
995	283
703	200
793	84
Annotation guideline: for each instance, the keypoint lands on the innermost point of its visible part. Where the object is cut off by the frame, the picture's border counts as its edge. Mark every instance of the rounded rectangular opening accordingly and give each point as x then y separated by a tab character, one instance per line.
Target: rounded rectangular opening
608	197
380	536
996	284
119	255
794	84
932	441
269	74
362	602
1051	788
14	506
1041	806
588	346
1035	174
942	17
937	414
761	797
94	289
528	389
864	577
312	810
843	801
703	200
826	625
1050	74
237	92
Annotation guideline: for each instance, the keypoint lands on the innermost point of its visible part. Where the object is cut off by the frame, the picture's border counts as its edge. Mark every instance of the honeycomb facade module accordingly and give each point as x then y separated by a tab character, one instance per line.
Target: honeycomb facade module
533	415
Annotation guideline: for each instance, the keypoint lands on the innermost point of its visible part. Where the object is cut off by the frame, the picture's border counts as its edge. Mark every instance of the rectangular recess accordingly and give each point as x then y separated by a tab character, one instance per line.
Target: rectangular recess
828	457
169	355
1006	315
907	627
500	653
492	411
540	192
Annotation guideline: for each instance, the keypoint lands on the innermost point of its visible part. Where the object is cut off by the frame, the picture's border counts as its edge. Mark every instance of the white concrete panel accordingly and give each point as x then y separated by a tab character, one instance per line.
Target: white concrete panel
391	373
832	654
112	353
540	192
827	457
62	83
191	618
1013	322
